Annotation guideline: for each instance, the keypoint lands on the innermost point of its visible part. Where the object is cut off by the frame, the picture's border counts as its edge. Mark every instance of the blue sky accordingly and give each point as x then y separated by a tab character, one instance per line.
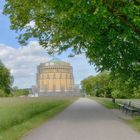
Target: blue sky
23	60
6	35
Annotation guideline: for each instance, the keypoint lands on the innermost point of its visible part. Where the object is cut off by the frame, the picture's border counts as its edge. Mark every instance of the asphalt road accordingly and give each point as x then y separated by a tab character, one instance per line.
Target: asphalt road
84	120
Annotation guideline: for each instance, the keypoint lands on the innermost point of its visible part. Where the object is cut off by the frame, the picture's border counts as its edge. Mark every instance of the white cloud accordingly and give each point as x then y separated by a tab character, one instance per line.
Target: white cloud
31	24
23	62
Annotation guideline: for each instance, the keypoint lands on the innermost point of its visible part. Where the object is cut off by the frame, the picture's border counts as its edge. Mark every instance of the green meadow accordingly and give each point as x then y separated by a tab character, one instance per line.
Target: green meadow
107	102
19	115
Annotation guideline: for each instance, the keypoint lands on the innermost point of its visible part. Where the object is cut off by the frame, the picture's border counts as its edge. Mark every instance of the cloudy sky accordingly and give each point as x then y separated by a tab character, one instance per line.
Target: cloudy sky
23	60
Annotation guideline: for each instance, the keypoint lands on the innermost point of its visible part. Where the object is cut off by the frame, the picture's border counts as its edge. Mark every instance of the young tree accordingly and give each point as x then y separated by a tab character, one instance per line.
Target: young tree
107	31
87	85
122	88
103	80
6	79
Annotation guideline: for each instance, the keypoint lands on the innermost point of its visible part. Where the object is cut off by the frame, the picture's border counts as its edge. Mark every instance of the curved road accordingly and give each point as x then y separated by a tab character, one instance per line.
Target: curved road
84	120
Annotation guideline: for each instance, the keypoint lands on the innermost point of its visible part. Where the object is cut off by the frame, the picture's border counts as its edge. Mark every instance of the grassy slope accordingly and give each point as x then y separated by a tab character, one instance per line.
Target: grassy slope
135	122
18	116
105	102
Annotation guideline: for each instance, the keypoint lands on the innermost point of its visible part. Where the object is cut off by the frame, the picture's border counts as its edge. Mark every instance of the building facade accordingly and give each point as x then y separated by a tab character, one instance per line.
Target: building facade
55	76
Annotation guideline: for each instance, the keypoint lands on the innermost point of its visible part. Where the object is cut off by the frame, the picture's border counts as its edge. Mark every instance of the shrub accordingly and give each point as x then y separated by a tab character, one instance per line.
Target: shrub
2	93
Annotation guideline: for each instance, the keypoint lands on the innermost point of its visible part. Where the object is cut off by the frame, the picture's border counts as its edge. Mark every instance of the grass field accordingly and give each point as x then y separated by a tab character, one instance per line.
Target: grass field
19	115
107	102
134	122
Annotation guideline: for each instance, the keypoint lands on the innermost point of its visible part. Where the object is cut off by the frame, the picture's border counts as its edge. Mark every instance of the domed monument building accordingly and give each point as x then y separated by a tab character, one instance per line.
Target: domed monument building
55	77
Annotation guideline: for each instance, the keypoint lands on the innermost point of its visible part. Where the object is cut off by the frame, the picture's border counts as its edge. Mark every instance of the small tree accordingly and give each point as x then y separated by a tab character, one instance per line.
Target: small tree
6	79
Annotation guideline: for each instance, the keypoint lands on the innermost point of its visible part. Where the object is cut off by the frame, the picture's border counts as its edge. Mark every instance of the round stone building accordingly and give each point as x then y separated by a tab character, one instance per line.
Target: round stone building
55	76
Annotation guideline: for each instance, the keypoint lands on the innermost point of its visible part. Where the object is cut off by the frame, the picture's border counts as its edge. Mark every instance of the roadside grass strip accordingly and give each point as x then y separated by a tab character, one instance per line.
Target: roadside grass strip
106	102
19	115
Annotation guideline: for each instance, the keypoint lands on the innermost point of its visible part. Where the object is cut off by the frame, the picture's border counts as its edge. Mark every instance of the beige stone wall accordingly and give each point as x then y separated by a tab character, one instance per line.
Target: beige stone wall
55	78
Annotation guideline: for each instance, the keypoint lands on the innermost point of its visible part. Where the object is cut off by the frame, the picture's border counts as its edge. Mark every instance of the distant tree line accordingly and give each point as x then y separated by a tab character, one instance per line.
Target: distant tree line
19	92
105	85
6	81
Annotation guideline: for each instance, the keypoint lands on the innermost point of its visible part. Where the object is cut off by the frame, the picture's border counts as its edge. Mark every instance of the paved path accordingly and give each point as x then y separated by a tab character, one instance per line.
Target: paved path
84	120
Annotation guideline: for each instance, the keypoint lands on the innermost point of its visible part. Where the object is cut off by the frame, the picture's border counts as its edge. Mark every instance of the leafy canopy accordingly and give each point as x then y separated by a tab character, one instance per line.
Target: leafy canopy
98	85
107	31
104	85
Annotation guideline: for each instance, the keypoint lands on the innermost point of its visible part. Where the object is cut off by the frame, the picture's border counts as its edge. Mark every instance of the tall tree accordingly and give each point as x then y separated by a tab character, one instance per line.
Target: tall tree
122	88
107	31
6	79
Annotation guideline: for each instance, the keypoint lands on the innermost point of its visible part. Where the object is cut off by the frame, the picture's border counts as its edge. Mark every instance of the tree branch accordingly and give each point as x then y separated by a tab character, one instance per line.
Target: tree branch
122	16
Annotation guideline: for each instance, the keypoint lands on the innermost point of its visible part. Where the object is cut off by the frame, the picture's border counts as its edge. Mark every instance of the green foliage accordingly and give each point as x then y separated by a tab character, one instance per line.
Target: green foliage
107	31
6	80
87	85
2	93
104	85
122	88
20	92
97	85
137	92
117	94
